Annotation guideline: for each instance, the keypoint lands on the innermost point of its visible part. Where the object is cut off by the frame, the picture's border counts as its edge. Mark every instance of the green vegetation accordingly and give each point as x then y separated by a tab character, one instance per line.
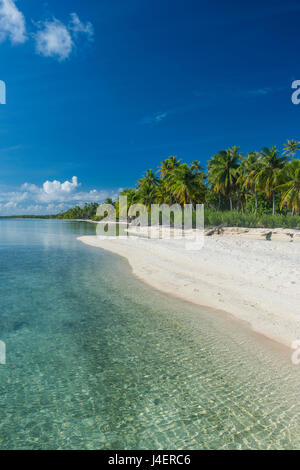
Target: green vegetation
239	219
28	216
87	212
260	189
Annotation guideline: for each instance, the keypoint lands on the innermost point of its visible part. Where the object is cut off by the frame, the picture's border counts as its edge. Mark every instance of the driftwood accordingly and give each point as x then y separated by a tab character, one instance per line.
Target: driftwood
215	230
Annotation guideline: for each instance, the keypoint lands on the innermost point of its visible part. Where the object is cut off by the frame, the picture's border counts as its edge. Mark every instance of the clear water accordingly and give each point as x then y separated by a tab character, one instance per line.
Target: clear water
96	359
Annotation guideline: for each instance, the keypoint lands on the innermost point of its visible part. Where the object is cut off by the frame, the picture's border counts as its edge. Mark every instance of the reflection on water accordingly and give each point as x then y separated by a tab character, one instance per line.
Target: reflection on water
96	359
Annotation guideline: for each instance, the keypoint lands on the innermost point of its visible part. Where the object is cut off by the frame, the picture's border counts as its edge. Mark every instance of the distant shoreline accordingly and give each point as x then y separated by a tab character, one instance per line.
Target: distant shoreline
226	225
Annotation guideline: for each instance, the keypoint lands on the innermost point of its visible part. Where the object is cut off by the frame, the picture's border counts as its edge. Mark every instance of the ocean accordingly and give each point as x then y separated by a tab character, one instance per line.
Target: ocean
95	359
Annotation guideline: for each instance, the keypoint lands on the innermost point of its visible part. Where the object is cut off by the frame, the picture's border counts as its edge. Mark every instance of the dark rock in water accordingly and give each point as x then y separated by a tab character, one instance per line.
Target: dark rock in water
19	325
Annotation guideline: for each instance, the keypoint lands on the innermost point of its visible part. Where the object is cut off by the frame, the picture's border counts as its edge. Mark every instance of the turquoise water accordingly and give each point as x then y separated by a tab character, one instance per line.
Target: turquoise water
96	359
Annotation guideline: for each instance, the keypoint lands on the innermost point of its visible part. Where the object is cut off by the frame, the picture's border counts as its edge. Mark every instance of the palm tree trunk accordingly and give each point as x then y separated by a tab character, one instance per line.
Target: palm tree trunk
219	201
241	204
230	200
273	203
256	202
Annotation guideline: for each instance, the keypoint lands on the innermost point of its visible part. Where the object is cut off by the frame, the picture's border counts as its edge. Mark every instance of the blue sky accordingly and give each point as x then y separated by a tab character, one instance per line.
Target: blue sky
102	90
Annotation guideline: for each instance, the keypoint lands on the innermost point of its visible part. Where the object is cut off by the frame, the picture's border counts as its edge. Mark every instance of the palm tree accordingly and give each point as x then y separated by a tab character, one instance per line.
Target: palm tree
147	188
162	193
248	171
165	169
132	198
184	184
222	172
268	177
109	201
291	188
131	195
168	165
213	179
149	181
291	147
196	167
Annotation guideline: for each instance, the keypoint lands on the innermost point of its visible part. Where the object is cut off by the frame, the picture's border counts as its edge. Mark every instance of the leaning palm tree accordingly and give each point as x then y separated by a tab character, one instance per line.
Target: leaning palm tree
291	187
222	172
291	147
268	177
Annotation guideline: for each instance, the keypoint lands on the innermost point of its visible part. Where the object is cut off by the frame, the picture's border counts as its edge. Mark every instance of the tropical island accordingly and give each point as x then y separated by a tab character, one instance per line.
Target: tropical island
260	189
244	275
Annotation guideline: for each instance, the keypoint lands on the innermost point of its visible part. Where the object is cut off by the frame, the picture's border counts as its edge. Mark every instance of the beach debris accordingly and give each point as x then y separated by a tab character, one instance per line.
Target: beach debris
219	230
268	236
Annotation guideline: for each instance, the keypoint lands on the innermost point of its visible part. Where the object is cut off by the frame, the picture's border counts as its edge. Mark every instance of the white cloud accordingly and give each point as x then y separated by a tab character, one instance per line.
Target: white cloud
261	91
155	118
78	27
50	198
56	187
12	23
160	116
54	40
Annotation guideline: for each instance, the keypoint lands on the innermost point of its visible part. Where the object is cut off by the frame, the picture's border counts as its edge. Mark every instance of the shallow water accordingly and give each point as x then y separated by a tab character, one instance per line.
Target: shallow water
96	359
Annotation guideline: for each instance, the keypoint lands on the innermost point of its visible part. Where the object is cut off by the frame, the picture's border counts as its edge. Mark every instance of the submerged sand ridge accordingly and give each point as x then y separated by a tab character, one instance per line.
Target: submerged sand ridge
255	280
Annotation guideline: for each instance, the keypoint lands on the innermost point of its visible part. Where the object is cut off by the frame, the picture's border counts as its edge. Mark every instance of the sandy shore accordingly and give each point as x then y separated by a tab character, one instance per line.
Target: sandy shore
255	280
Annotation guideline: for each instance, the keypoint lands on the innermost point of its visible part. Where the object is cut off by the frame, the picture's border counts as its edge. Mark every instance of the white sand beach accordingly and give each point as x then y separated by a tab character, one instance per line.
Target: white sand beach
255	280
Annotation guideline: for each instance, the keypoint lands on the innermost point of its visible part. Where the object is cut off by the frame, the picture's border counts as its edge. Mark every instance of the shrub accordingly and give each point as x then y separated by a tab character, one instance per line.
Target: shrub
238	219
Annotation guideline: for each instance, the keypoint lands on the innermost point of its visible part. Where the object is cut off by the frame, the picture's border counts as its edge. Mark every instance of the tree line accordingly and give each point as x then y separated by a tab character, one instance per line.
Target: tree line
235	188
88	211
259	182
